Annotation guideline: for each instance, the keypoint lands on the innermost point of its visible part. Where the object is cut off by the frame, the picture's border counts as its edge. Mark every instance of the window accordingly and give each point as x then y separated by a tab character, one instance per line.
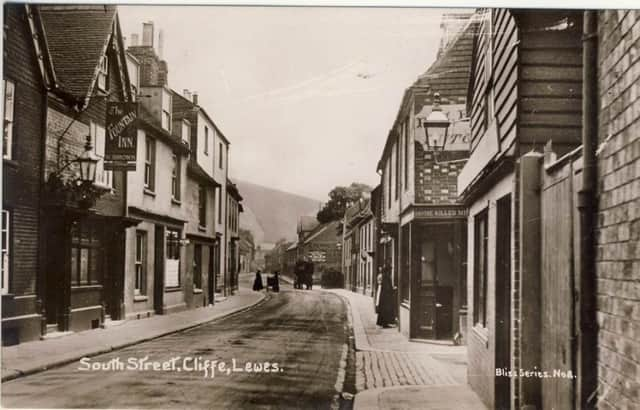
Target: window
197	267
166	110
140	286
406	154
103	177
175	178
397	156
9	100
186	132
86	253
172	258
6	249
206	140
220	155
389	182
134	76
219	205
202	205
150	164
480	253
103	73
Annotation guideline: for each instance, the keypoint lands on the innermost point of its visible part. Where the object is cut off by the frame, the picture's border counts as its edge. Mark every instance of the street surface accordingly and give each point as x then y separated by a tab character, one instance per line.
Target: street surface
301	334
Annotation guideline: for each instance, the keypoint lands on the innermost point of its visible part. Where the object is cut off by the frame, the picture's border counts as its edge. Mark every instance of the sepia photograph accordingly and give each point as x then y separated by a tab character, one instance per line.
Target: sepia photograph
313	205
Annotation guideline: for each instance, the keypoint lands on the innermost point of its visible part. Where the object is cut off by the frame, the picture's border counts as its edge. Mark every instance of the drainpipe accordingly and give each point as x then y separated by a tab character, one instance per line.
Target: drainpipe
587	348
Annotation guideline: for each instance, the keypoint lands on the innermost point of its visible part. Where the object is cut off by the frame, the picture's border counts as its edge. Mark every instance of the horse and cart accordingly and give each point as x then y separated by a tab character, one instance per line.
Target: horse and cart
303	272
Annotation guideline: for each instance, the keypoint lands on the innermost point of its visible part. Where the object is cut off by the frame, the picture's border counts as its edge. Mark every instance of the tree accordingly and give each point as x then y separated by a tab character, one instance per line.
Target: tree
340	198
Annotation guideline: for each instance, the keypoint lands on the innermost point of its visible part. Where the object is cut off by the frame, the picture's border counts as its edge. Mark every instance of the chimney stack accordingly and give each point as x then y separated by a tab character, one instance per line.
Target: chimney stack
195	97
134	40
147	34
186	94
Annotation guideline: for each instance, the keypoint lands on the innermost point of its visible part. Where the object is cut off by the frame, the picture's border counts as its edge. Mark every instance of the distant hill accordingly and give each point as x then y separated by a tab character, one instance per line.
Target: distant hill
271	213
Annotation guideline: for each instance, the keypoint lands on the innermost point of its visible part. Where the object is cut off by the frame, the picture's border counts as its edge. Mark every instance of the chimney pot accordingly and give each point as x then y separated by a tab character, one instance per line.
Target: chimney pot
186	93
160	43
147	34
195	97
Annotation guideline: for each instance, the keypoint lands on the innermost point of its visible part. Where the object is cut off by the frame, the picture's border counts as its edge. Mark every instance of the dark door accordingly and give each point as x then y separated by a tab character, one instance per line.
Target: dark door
426	286
158	274
211	277
503	301
444	312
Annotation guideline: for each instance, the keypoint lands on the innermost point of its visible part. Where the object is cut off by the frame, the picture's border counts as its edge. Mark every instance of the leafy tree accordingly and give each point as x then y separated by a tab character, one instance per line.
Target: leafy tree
340	198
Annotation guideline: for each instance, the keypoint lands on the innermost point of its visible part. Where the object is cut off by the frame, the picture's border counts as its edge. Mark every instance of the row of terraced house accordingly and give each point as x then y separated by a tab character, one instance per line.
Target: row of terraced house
87	239
507	210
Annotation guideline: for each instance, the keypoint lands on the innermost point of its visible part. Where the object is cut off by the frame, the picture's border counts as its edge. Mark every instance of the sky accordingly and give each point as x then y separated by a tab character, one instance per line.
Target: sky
305	95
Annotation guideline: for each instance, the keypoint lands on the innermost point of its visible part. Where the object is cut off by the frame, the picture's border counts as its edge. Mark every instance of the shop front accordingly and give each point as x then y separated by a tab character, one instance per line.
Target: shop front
432	278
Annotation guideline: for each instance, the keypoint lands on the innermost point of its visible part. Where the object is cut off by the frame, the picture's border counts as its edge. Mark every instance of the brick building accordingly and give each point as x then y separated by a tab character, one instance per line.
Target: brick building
422	218
84	229
618	222
24	80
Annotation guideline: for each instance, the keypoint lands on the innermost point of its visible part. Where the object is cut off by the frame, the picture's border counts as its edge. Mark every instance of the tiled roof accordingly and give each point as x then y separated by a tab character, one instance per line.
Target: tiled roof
150	124
77	36
307	223
448	75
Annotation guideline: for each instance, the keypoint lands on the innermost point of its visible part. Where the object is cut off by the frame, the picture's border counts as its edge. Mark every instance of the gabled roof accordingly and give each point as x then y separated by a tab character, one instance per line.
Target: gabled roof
448	75
307	223
232	189
77	37
321	229
147	122
181	103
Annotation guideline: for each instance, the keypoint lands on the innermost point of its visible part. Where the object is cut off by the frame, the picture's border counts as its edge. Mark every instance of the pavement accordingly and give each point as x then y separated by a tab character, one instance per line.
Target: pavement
395	373
33	357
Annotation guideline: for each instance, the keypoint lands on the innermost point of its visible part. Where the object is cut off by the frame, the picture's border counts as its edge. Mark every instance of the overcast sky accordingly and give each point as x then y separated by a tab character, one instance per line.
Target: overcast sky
305	95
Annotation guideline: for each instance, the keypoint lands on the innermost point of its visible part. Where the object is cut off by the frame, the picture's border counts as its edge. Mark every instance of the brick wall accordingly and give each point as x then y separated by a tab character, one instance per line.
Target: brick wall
21	175
618	239
436	182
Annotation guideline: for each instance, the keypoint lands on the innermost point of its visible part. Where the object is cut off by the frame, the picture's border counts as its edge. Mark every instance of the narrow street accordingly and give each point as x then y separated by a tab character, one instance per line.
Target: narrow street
302	331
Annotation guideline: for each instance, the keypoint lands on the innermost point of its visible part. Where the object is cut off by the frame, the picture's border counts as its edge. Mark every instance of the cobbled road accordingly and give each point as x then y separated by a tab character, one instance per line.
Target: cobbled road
303	332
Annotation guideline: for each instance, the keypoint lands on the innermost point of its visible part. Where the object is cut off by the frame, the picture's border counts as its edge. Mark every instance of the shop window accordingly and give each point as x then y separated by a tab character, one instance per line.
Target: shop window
6	249
480	254
140	286
197	267
86	253
150	164
172	258
9	101
405	275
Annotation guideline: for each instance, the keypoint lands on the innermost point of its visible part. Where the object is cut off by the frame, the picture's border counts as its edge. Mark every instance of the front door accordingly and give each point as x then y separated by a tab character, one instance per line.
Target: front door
444	312
158	275
426	285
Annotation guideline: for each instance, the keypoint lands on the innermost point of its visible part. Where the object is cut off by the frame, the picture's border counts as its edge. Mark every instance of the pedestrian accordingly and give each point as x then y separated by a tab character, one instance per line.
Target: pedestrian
309	270
386	309
376	302
257	283
276	281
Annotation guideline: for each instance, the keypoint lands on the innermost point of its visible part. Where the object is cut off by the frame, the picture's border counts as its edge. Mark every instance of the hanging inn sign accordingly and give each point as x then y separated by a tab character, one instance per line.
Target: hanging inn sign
121	136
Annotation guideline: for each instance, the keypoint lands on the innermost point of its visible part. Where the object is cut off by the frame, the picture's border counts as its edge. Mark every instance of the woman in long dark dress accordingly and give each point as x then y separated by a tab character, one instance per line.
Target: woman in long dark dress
257	283
386	311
